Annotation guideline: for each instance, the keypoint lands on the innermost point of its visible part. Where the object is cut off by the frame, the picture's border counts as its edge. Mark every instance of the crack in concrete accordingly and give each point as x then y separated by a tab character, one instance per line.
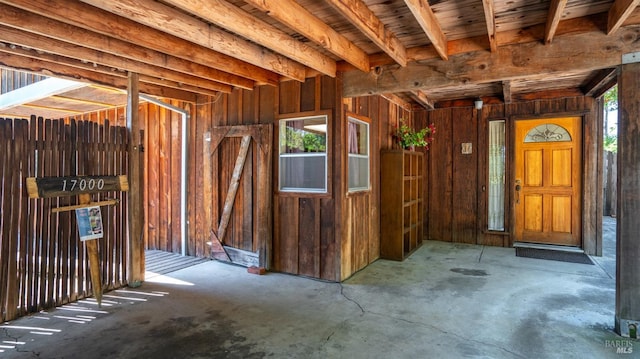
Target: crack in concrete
17	347
350	299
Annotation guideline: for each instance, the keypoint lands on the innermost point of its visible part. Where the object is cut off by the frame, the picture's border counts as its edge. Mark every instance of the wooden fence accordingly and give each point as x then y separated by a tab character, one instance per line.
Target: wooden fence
610	177
42	261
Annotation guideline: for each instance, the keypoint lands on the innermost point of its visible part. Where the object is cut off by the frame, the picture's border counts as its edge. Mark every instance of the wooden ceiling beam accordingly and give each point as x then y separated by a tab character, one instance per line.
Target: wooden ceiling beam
506	91
41	43
556	8
49	108
234	19
430	25
230	70
548	94
293	15
422	98
619	12
83	101
490	19
594	23
46	68
91	67
360	16
34	31
601	82
166	19
511	62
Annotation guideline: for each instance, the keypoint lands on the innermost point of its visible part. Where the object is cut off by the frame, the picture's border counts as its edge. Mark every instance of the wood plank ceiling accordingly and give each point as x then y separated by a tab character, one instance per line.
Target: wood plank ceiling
430	52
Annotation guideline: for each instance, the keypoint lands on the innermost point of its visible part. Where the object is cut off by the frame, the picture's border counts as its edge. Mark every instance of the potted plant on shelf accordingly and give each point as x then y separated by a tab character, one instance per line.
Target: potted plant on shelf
408	138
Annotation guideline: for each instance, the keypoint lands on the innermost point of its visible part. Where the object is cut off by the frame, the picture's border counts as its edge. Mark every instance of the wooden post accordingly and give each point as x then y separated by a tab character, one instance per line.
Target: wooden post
94	260
136	211
627	317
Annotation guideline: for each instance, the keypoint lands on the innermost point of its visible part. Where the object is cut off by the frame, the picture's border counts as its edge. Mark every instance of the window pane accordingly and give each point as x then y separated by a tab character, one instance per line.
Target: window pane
548	133
300	172
303	154
358	137
358	147
303	135
358	172
496	175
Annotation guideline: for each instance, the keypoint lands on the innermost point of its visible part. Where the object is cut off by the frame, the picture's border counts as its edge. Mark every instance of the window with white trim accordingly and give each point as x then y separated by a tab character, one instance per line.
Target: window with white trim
358	146
303	154
497	147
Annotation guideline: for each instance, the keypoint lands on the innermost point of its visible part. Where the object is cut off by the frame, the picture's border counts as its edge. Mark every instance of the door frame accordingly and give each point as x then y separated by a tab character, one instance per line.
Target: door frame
511	169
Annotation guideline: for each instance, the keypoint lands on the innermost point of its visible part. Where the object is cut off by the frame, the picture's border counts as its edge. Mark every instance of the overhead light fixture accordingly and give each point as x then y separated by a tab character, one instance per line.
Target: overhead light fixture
478	103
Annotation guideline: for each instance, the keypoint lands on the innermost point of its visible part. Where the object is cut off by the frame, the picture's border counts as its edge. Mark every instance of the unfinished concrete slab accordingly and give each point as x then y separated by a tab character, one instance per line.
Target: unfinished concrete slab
444	301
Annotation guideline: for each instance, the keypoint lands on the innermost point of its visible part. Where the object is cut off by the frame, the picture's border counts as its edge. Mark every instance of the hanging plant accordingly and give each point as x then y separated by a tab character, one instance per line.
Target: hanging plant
408	138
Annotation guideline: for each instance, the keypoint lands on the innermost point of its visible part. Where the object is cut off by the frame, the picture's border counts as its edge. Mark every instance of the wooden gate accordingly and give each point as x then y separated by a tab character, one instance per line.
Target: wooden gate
42	262
237	185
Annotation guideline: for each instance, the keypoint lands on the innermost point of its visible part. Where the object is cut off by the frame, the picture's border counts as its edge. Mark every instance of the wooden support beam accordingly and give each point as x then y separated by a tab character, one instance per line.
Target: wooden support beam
177	23
68	31
506	91
422	98
292	14
231	71
38	32
512	62
572	27
628	216
234	19
490	19
135	263
49	108
429	23
360	16
48	68
601	83
619	12
556	8
87	72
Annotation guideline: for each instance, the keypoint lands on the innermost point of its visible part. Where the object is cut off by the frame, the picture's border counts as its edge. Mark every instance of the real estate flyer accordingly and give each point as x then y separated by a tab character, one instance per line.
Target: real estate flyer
89	223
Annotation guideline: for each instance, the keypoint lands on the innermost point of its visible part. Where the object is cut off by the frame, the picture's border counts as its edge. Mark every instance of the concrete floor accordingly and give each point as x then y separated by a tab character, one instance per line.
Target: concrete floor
444	301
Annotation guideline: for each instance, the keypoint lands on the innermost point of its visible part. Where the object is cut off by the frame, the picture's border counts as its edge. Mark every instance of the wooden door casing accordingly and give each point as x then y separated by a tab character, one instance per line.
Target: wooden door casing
548	175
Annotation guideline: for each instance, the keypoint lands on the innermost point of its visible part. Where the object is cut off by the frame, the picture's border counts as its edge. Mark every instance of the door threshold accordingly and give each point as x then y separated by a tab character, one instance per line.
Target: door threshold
550	247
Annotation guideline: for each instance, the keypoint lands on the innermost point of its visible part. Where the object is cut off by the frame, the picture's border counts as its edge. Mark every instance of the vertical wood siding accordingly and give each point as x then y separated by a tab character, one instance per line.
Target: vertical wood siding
457	202
42	261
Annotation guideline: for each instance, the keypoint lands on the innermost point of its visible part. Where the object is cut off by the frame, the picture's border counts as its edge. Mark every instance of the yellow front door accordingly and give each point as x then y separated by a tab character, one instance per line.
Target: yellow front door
547	183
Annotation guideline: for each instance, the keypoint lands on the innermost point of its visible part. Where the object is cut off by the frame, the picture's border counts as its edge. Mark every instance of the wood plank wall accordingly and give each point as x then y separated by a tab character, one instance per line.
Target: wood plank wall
361	221
457	203
307	230
320	236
